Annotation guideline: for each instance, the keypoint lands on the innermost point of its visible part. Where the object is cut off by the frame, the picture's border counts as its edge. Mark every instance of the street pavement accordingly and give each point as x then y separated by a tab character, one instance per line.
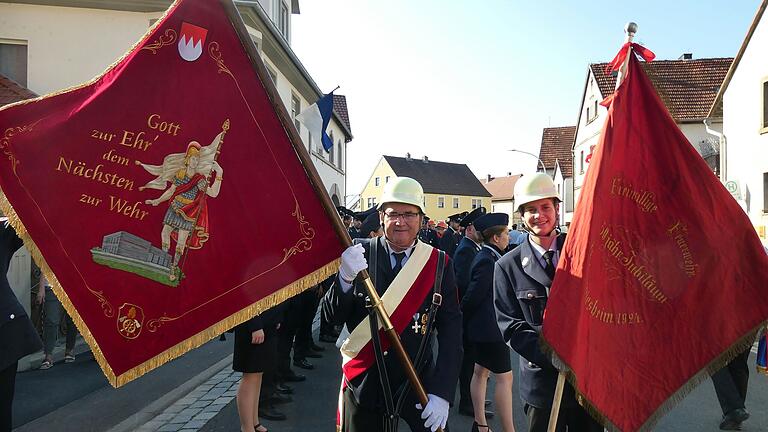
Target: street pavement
77	397
314	405
196	393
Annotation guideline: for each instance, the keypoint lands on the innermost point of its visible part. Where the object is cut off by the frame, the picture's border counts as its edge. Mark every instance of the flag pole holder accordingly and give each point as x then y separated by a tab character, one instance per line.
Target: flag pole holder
322	194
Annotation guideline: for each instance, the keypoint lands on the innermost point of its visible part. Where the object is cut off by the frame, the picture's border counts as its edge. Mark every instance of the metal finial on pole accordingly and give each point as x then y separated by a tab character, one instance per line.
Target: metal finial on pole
629	29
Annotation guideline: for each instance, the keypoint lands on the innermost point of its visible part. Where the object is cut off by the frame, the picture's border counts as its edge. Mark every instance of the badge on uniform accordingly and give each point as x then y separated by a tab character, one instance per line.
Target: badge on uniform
420	323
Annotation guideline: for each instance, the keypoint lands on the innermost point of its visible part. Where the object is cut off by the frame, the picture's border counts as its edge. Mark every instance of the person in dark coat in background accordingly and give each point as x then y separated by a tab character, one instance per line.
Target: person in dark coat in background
451	237
468	248
18	336
491	353
427	234
521	283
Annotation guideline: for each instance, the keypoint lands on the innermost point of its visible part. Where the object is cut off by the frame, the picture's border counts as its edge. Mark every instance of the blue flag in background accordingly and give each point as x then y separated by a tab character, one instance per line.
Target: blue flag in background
316	118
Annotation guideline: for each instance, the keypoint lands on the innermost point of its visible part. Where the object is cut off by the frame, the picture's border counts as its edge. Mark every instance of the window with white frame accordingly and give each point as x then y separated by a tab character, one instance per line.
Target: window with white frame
339	148
764	123
13	60
371	202
765	192
295	110
581	163
283	14
332	154
376	181
386	179
272	75
476	203
455	202
440	202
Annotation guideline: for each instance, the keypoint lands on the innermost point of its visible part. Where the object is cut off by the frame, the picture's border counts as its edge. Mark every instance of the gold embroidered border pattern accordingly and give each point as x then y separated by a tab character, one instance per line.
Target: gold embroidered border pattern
165	39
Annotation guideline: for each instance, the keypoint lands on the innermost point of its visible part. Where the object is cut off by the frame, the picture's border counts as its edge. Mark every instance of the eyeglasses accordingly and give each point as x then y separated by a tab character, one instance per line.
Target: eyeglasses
407	216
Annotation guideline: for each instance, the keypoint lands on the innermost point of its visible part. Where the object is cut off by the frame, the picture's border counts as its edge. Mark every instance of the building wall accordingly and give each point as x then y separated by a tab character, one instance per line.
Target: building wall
371	189
747	157
464	204
508	207
588	133
67	46
383	170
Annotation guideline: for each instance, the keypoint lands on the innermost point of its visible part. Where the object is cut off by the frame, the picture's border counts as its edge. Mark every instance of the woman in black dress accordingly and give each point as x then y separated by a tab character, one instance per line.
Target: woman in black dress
255	352
491	353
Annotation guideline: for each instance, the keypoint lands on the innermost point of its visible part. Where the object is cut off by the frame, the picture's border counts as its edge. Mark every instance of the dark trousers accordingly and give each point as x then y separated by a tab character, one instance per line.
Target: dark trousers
268	378
574	419
731	383
364	419
307	308
285	335
465	374
7	385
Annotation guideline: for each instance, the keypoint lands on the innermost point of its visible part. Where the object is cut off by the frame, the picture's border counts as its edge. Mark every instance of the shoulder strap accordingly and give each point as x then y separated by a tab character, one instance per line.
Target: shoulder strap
373	258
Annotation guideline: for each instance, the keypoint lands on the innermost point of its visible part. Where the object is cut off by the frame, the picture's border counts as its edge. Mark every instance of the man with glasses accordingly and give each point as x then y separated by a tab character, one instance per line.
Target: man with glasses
418	288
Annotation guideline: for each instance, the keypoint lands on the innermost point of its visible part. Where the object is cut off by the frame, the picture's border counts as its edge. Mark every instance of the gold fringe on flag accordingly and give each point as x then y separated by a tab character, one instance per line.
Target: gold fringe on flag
179	349
744	343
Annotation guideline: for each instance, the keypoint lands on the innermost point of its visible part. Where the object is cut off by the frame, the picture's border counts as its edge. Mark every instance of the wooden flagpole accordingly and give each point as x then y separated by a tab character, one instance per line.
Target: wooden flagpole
322	194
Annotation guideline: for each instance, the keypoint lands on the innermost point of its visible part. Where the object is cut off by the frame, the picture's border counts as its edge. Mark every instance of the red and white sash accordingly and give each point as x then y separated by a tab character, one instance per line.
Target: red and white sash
402	300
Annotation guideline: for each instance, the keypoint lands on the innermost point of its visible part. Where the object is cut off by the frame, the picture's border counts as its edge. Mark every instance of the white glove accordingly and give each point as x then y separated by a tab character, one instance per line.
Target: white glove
435	413
352	263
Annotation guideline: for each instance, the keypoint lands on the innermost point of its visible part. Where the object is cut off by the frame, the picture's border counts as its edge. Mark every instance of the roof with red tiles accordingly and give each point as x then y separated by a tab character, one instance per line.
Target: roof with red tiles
687	87
556	145
11	91
340	108
502	188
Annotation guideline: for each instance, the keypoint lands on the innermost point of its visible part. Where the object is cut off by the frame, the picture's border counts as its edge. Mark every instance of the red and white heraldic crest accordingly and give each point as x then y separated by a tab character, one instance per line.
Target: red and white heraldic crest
191	41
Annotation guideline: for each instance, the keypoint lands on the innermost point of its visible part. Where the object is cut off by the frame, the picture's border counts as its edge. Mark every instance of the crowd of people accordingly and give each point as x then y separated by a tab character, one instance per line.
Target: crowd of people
460	294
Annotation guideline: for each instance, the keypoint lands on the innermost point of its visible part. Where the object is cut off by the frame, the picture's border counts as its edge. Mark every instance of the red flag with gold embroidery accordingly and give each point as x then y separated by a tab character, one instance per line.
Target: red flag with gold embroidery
165	199
662	278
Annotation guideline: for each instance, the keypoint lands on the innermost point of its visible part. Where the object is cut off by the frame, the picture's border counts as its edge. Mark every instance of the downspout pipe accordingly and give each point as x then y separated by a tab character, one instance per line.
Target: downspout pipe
723	150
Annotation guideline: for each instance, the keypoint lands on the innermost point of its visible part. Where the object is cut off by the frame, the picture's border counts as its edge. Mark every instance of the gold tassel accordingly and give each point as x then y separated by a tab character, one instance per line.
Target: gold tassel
744	343
222	326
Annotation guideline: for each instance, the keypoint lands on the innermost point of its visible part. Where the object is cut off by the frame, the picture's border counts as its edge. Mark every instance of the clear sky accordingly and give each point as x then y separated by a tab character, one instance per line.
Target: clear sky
462	81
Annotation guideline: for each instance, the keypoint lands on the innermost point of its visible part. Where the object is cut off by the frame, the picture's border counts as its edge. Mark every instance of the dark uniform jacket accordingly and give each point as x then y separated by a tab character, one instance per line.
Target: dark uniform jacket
520	296
477	303
18	337
267	320
450	241
429	236
441	374
462	262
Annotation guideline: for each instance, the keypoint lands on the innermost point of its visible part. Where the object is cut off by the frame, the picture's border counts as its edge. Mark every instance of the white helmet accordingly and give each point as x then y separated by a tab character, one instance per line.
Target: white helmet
530	188
403	190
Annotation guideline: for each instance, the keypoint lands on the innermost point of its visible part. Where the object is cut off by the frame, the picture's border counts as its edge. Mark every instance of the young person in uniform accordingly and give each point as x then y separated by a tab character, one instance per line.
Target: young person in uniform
522	279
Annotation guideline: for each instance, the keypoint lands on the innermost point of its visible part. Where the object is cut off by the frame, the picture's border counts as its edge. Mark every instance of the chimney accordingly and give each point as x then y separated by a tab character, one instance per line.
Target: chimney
509	173
407	156
425	159
686	56
488	178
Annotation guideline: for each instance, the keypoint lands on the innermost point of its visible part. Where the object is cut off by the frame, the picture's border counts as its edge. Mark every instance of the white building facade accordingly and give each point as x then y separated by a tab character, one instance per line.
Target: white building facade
745	124
684	98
